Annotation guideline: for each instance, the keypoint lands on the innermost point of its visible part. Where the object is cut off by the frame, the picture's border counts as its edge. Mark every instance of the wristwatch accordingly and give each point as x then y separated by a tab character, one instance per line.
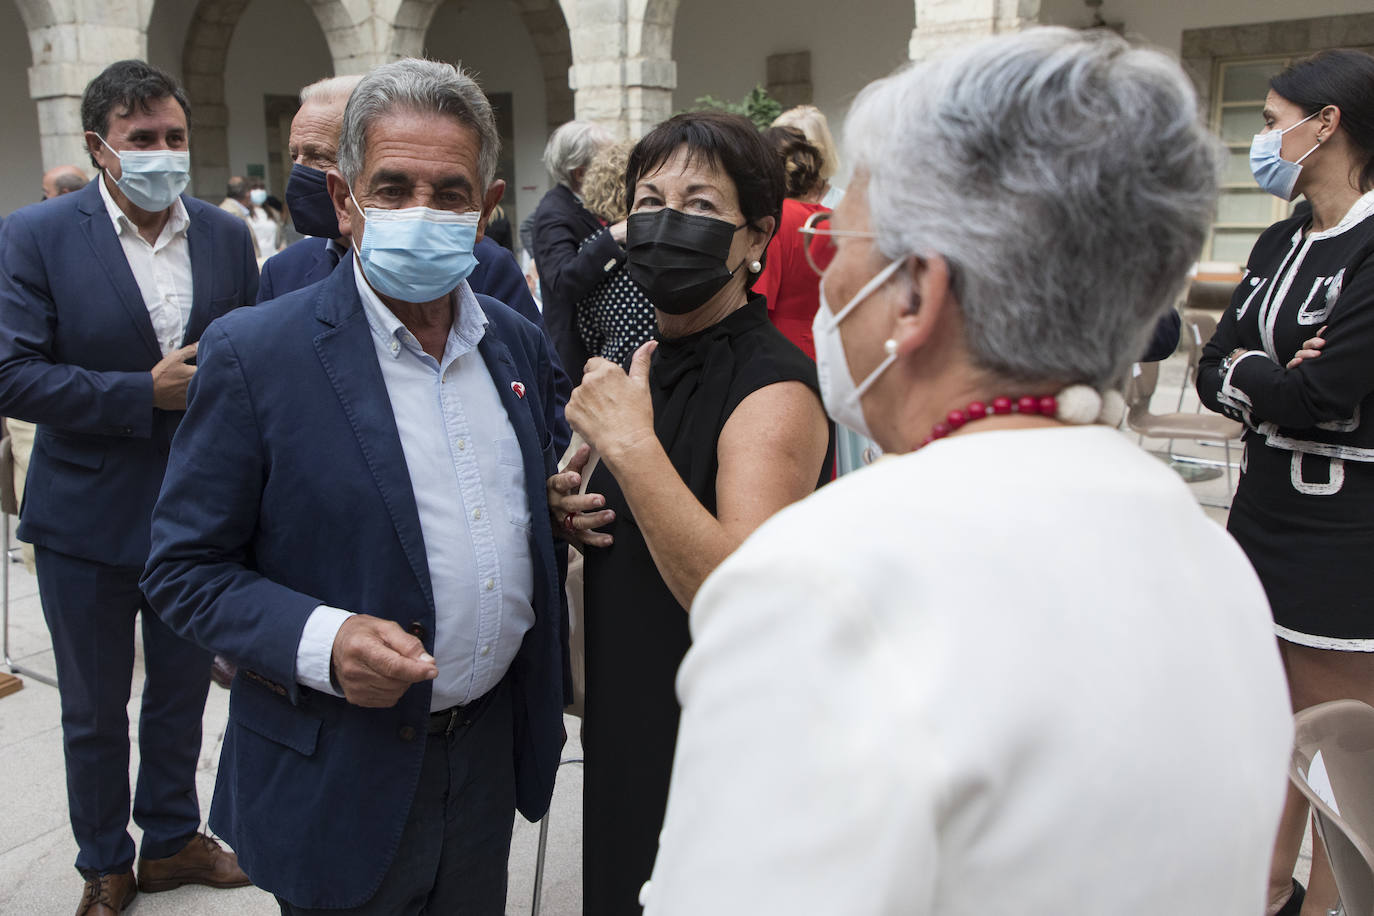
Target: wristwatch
1231	358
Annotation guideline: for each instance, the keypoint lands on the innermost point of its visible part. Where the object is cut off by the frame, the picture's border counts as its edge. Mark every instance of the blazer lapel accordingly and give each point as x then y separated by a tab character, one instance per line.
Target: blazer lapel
199	238
346	351
519	409
100	233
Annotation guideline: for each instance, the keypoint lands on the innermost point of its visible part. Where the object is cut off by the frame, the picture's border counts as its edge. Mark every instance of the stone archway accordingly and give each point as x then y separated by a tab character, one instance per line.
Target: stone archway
204	57
547	28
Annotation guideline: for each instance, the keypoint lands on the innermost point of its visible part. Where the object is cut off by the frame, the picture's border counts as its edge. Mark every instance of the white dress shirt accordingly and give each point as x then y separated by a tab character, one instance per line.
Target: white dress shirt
1013	672
467	473
162	269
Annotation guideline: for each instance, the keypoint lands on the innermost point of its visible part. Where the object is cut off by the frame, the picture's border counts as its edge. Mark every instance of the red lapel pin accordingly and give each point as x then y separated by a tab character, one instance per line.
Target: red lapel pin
518	388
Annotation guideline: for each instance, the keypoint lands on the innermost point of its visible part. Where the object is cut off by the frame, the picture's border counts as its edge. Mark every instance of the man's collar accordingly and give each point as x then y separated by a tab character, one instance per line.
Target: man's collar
178	221
469	321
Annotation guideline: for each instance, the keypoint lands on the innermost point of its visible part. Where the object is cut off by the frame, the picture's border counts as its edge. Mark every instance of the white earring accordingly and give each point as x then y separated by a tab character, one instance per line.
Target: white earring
890	345
755	267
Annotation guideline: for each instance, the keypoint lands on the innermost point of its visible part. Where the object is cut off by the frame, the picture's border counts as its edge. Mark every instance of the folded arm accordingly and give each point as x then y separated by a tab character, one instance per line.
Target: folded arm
1249	385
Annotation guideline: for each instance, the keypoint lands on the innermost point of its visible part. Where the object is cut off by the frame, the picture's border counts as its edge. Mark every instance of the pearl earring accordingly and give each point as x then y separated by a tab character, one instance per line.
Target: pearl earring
890	345
755	267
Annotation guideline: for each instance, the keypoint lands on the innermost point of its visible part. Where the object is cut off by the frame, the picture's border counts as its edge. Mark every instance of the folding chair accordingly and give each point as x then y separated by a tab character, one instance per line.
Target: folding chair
9	505
1140	388
1342	732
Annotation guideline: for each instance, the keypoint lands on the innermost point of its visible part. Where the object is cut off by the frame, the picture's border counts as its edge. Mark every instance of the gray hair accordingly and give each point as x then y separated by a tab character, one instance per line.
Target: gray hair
573	146
332	90
1064	175
426	87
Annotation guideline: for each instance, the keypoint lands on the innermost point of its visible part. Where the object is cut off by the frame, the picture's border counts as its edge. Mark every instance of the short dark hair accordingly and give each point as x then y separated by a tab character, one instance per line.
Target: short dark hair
802	162
1340	77
121	88
728	142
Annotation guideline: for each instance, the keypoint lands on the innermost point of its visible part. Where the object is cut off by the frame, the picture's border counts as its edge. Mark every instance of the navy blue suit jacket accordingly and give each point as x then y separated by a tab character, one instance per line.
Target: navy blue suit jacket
76	352
295	266
287	488
497	275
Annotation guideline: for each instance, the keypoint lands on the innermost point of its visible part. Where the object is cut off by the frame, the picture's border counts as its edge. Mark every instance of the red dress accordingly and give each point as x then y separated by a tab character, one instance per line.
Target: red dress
788	282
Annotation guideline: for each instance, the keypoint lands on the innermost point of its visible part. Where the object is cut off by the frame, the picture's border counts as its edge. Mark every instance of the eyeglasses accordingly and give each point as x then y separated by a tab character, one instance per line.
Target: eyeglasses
819	248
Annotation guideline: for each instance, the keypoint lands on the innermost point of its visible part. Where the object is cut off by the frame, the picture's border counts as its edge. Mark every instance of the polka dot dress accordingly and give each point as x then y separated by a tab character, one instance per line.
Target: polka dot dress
615	318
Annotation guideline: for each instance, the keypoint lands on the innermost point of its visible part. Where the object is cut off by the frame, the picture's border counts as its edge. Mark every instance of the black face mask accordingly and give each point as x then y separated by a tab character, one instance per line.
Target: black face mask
677	258
307	197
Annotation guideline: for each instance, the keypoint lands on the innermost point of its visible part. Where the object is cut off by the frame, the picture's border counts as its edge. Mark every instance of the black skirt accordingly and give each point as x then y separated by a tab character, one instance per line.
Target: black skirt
1307	524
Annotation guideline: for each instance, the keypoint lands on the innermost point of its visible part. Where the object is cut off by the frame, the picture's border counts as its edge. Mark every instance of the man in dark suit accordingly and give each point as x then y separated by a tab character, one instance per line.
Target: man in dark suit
314	148
571	248
103	295
355	512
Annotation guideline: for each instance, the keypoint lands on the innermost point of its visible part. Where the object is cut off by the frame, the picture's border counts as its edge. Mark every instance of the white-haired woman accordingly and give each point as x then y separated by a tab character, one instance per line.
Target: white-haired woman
570	263
936	686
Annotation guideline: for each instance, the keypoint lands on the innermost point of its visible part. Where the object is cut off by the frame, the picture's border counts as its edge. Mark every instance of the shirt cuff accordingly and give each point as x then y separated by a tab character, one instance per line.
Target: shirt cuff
317	647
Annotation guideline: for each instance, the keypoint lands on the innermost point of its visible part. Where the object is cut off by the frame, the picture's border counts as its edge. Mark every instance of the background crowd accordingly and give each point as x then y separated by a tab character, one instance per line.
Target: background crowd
422	495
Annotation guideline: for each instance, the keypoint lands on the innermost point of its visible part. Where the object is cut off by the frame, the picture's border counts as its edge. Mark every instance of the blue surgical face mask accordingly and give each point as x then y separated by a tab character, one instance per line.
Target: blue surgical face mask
1272	172
307	197
152	179
258	196
416	254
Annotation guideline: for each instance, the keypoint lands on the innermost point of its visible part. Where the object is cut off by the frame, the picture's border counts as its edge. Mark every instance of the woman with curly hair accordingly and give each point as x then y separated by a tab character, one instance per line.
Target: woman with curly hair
616	316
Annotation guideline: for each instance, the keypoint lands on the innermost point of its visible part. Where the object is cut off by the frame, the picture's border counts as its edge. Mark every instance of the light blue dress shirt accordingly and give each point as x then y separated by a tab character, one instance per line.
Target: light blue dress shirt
467	474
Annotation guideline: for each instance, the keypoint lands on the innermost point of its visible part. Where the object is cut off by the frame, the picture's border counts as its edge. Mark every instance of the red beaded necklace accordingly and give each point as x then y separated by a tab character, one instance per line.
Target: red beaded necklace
1047	406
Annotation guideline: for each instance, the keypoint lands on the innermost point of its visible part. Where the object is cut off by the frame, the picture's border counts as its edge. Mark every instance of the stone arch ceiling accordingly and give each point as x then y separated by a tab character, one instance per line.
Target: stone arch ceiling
547	27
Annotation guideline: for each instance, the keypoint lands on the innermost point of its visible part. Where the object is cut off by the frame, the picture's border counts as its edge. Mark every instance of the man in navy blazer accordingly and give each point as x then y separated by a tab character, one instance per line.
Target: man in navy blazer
314	148
355	512
103	295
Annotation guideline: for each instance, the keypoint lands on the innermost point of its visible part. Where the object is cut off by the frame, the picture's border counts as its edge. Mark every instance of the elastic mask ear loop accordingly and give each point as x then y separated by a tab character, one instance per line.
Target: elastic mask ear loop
878	280
111	149
1299	124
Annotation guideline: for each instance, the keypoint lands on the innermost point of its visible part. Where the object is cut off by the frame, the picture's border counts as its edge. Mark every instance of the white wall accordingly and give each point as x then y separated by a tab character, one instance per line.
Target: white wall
488	39
19	148
277	48
721	47
1163	24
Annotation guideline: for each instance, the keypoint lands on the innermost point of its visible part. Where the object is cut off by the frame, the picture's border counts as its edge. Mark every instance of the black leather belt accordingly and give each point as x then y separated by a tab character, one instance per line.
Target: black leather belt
447	721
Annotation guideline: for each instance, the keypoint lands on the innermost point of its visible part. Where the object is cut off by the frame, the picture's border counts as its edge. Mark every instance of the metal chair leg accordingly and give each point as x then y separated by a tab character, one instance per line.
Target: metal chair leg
539	864
5	611
543	848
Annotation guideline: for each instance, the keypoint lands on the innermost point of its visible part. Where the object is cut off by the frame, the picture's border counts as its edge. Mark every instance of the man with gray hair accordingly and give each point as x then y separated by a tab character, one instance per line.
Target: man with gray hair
314	147
355	512
64	179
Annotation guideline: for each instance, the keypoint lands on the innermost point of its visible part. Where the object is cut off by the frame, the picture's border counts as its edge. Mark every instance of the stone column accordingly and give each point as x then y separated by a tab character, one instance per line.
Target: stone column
944	23
623	74
72	41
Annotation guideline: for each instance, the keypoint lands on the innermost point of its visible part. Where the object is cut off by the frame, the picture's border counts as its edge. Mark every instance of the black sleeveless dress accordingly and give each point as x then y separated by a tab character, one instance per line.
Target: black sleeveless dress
636	631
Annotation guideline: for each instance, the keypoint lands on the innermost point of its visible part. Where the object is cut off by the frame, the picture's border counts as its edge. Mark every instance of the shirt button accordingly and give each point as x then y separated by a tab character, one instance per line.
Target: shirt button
477	513
462	444
395	346
486	650
407	733
491	584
